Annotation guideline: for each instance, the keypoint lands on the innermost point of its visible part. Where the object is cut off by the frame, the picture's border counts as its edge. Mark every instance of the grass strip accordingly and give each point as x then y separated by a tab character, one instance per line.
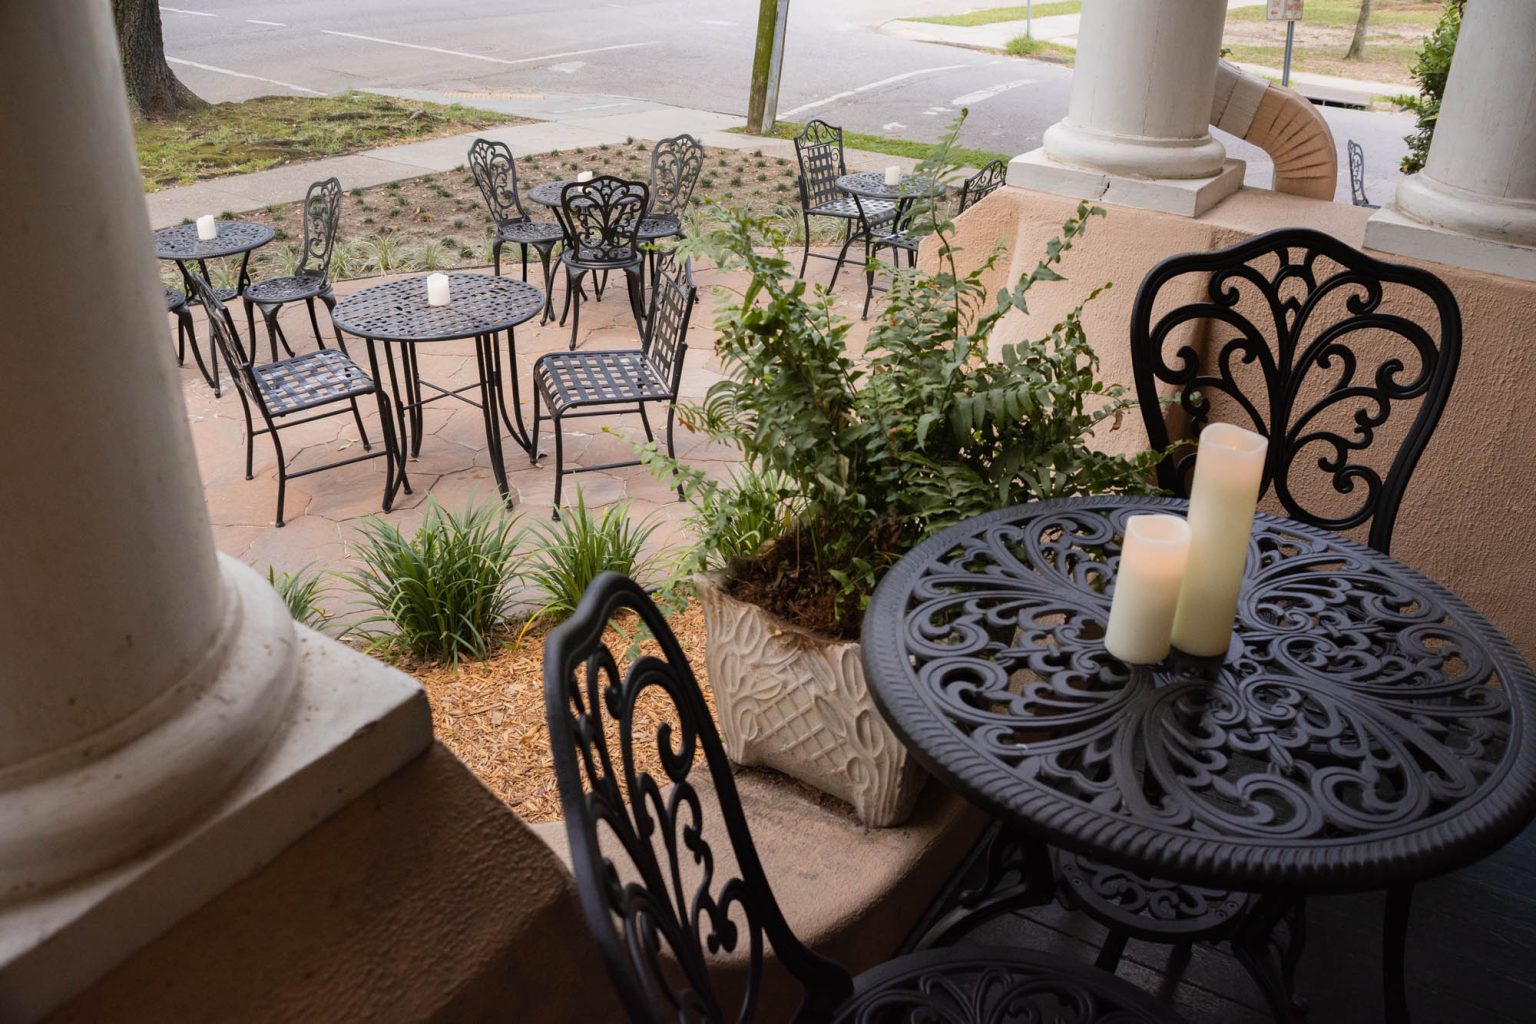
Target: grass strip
963	155
994	15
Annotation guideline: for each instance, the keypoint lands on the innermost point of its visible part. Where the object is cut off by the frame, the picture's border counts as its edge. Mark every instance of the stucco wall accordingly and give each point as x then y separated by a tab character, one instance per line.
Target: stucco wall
1470	502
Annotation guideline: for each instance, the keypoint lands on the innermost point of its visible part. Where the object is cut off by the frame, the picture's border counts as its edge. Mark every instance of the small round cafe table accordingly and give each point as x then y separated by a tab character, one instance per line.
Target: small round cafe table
1365	730
480	306
181	245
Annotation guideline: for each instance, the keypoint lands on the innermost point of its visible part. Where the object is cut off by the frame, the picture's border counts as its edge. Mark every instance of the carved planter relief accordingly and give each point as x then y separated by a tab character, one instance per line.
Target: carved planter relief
799	704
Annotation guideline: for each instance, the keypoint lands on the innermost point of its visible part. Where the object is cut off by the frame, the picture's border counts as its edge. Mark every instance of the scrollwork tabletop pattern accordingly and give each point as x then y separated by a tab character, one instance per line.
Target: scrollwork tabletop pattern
1365	727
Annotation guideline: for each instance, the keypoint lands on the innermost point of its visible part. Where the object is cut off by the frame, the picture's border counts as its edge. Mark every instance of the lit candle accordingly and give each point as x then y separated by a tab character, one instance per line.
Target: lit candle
584	176
207	230
1229	468
437	289
1152	561
892	176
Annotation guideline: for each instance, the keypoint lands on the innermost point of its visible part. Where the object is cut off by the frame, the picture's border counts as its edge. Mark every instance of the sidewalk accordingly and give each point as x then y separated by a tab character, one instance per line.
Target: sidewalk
564	122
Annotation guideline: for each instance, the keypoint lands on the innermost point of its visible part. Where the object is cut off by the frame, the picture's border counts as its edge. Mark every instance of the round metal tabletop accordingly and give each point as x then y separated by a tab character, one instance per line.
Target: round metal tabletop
548	194
871	185
1365	728
234	236
398	310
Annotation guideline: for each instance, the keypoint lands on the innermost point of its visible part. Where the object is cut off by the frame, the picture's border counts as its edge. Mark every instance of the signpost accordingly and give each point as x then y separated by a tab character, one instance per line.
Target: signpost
1288	11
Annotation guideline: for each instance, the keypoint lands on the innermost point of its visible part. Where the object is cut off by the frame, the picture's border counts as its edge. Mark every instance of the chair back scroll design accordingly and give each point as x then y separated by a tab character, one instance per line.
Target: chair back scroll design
601	219
1357	174
227	341
665	900
666	333
495	173
675	167
982	184
1316	321
819	151
322	214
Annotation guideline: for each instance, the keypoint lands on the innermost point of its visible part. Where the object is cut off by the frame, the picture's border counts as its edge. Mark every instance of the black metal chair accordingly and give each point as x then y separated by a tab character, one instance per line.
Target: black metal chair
600	220
298	384
665	909
595	382
311	280
1357	176
819	152
902	240
177	304
1315	345
675	167
495	172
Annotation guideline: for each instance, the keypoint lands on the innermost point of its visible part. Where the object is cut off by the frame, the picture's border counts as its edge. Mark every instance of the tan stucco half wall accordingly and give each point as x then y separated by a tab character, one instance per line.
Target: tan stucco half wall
1469	507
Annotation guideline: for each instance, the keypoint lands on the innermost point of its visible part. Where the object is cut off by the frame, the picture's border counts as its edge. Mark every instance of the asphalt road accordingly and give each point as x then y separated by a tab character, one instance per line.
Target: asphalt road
694	53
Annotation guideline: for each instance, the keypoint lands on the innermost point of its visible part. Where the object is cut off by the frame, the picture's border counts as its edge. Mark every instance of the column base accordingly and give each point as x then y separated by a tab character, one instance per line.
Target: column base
351	722
1186	197
1391	230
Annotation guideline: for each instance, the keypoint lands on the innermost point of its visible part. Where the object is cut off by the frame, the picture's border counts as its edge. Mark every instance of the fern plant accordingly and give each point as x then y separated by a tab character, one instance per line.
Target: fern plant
574	550
873	456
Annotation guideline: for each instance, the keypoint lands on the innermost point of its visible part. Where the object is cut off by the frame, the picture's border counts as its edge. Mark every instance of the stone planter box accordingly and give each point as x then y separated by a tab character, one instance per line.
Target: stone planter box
797	703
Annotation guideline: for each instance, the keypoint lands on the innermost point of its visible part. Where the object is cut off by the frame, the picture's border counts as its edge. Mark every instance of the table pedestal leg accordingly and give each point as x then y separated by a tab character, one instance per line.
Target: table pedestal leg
1009	870
394	459
1271	964
1394	942
490	398
513	422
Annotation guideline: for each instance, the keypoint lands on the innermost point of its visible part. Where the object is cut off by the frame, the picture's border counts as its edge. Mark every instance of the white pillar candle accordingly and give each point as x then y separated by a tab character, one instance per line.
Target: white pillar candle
1229	468
437	289
892	176
584	176
1152	561
207	230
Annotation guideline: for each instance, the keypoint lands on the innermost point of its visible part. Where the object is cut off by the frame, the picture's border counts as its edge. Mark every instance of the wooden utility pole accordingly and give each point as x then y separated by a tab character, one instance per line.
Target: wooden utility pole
767	63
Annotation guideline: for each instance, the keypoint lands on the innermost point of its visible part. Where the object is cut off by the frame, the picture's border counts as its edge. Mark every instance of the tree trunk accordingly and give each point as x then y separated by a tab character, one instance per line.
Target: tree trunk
1357	44
154	91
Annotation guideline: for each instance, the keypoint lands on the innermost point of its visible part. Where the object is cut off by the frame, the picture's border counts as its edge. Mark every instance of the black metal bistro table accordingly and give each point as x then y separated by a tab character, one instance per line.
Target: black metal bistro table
481	307
1365	730
871	185
234	238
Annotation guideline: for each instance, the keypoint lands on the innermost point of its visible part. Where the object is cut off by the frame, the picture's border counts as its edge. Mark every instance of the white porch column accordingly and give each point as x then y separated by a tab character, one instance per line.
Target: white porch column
155	697
1137	129
1474	204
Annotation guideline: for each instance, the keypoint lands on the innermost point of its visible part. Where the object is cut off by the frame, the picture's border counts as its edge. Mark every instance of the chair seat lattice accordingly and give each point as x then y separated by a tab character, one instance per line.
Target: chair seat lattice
569	379
309	380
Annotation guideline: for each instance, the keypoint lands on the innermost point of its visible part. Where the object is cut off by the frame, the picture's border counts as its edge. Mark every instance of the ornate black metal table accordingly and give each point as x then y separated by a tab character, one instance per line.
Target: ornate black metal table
1365	730
181	245
871	185
548	194
481	307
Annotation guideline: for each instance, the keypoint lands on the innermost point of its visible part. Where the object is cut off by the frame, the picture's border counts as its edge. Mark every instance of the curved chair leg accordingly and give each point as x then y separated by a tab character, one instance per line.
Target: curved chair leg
329	298
805	220
546	251
599	282
522	251
636	296
496	255
671	452
533	432
181	339
250	436
842	254
645	421
282	470
250	327
361	432
554	420
314	322
274	331
869	279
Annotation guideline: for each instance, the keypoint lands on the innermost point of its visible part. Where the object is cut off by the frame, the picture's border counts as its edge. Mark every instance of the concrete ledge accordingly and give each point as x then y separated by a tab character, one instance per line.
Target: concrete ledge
1184	197
850	893
1391	231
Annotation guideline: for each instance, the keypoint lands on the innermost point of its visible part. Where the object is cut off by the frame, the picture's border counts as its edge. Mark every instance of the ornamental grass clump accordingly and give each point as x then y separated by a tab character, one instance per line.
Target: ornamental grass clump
868	456
444	592
573	551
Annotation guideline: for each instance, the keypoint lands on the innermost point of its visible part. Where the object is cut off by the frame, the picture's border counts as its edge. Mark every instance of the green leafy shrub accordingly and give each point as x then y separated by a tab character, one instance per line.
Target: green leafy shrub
443	592
1430	72
573	551
874	455
301	591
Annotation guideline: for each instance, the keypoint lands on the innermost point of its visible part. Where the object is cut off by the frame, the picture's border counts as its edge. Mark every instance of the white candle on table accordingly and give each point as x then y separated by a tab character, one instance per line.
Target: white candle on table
207	230
1152	563
1229	468
437	289
893	176
584	176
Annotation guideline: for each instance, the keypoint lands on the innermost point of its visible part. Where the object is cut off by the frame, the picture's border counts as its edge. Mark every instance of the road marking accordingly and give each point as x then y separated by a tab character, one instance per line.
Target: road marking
865	88
178	10
569	67
989	92
485	57
722	24
274	24
242	74
891	126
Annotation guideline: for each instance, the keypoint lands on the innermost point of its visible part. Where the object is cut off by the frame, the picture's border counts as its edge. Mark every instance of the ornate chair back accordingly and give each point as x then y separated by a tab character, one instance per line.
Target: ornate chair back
601	219
819	151
228	342
675	167
495	174
660	900
1319	347
322	214
666	333
982	184
1357	174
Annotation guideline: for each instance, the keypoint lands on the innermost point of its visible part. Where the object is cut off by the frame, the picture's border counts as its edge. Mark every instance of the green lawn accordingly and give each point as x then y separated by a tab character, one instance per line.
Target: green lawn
1029	46
236	138
993	15
1397	29
962	155
1401	14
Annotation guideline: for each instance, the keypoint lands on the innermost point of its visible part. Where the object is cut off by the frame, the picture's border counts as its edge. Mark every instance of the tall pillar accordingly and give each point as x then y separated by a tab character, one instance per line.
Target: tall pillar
1474	203
151	690
1137	128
